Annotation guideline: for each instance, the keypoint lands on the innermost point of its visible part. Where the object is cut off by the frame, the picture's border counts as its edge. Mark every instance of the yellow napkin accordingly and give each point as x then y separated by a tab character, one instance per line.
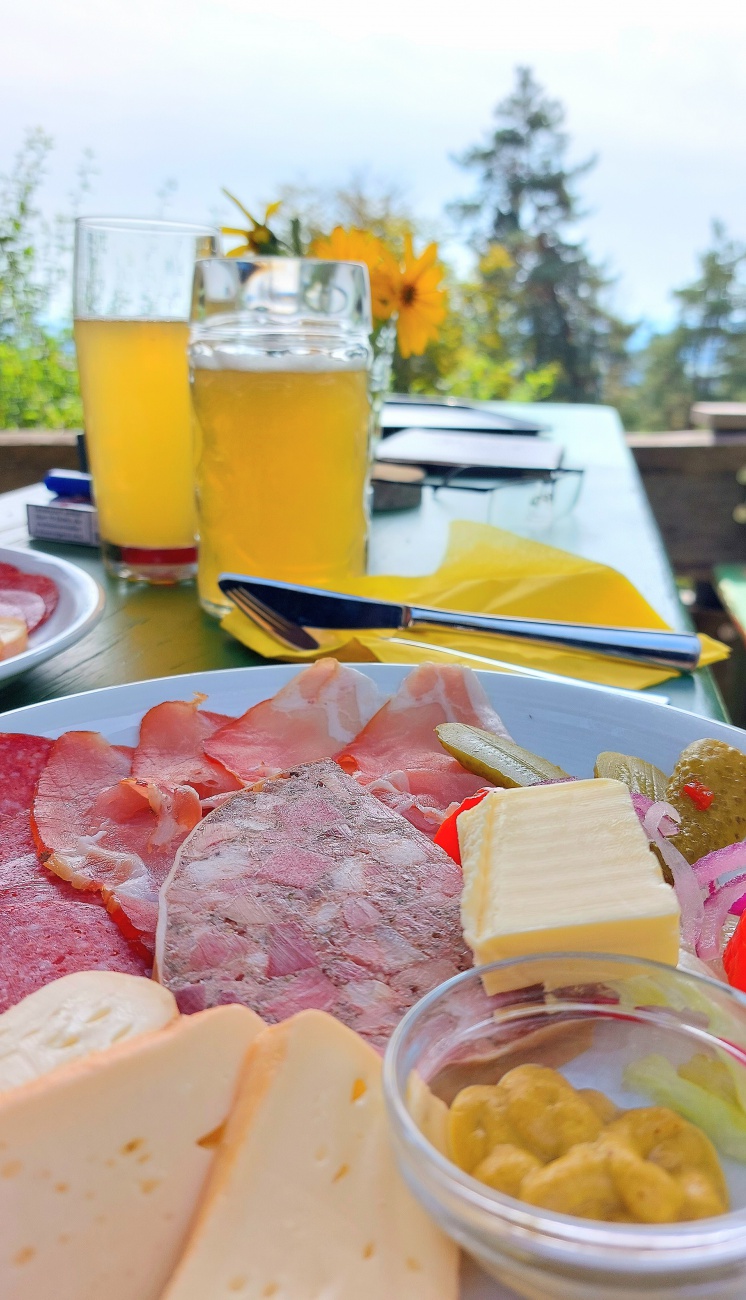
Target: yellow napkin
489	571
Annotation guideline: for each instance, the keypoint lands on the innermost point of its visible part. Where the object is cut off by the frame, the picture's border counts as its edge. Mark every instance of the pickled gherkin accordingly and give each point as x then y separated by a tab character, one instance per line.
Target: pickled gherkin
639	776
718	771
494	758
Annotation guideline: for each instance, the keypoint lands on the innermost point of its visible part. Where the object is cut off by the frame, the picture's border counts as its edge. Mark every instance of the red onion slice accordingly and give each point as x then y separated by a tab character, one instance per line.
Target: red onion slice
684	880
718	863
716	909
642	805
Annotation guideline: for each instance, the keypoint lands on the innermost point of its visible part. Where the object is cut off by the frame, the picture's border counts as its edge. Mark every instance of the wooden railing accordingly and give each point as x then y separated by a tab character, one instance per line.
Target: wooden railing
696	483
27	454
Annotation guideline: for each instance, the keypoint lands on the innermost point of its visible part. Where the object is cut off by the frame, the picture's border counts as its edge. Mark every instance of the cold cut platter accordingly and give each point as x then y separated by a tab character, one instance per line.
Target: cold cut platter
262	841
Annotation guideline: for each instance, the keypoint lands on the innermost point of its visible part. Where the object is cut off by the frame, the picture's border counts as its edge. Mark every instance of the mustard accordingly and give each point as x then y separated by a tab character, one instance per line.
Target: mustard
535	1137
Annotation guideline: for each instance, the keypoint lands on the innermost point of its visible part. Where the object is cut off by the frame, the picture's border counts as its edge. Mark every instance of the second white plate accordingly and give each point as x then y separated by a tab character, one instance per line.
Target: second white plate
80	606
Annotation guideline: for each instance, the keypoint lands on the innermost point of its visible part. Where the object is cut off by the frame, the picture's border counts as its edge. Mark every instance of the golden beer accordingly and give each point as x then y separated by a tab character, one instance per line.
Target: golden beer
134	379
281	474
132	284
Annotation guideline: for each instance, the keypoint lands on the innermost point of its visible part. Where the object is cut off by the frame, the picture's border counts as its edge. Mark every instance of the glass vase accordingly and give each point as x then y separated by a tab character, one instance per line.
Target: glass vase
383	343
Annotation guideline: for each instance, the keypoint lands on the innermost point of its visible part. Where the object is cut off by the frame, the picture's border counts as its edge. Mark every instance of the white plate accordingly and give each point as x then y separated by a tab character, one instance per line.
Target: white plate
567	724
79	608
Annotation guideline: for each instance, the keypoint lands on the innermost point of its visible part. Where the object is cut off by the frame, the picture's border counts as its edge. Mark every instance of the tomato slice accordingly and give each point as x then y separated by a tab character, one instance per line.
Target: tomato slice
447	836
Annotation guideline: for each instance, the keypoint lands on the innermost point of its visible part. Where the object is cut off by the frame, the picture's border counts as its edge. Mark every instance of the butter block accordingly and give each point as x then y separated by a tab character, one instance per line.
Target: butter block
103	1161
305	1199
75	1016
563	868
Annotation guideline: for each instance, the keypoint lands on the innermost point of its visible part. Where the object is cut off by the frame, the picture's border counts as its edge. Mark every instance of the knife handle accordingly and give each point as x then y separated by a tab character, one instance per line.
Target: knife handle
662	649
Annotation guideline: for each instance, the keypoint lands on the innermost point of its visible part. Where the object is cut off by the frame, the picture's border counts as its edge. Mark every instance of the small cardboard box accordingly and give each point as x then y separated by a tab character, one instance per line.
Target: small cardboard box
64	520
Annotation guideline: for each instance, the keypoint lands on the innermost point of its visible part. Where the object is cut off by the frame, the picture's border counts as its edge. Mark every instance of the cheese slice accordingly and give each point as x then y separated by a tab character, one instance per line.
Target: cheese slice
102	1162
305	1201
13	636
75	1016
563	868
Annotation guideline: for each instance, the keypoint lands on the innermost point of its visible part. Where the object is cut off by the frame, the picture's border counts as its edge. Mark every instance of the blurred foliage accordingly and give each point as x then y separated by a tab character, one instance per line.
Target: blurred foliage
38	378
528	319
39	383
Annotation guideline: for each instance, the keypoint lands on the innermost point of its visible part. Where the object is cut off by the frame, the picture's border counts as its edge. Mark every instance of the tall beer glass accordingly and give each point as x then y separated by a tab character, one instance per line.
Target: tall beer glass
132	289
279	357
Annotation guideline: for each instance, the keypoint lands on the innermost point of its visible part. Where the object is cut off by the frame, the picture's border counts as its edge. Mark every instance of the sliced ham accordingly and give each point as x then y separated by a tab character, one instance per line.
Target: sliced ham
47	928
102	830
26	605
310	892
170	749
14	579
311	718
398	755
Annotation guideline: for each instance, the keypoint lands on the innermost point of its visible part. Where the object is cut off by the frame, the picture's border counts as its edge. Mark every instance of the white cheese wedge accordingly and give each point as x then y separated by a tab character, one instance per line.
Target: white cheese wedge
305	1201
74	1016
563	868
102	1163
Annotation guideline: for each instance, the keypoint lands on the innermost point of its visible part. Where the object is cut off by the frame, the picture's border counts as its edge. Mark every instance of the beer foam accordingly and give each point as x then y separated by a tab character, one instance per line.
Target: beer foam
208	356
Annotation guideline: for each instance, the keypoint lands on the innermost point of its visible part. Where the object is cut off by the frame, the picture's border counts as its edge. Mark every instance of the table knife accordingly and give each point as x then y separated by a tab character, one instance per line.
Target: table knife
287	610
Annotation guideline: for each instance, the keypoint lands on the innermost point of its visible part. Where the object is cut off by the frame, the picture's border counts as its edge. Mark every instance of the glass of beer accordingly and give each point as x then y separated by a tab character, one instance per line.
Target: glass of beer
132	291
279	361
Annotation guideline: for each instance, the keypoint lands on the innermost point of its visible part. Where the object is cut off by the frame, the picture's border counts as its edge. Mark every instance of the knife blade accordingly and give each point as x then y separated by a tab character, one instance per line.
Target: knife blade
296	607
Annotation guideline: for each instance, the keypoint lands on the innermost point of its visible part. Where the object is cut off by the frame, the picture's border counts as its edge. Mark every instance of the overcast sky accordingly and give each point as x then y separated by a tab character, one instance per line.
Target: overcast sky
251	95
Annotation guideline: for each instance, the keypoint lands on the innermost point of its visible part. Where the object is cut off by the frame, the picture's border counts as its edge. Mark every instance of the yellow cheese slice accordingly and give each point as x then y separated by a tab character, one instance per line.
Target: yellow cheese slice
305	1201
102	1162
13	636
563	868
75	1016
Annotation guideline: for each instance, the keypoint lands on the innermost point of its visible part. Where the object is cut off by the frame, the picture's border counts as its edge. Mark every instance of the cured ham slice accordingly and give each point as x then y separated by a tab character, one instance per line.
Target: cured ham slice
12	578
170	749
102	830
47	928
311	718
18	603
310	892
398	756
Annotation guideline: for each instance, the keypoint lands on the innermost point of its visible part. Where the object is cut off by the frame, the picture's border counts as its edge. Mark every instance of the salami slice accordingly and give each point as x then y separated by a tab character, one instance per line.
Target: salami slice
47	928
316	714
170	749
398	756
12	578
310	892
102	830
21	761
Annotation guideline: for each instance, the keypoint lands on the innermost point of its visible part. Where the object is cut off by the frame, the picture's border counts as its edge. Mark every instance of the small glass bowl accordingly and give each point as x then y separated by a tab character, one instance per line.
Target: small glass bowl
589	1016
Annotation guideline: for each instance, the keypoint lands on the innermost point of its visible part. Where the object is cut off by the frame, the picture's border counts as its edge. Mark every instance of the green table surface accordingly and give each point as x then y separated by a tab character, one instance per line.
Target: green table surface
157	631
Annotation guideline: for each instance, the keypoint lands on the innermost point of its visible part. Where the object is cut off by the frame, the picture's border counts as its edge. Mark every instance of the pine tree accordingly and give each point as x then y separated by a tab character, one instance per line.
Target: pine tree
526	202
703	357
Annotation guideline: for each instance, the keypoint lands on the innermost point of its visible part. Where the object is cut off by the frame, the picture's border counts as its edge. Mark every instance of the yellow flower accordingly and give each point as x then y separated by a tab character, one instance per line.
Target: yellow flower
360	246
258	238
422	299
